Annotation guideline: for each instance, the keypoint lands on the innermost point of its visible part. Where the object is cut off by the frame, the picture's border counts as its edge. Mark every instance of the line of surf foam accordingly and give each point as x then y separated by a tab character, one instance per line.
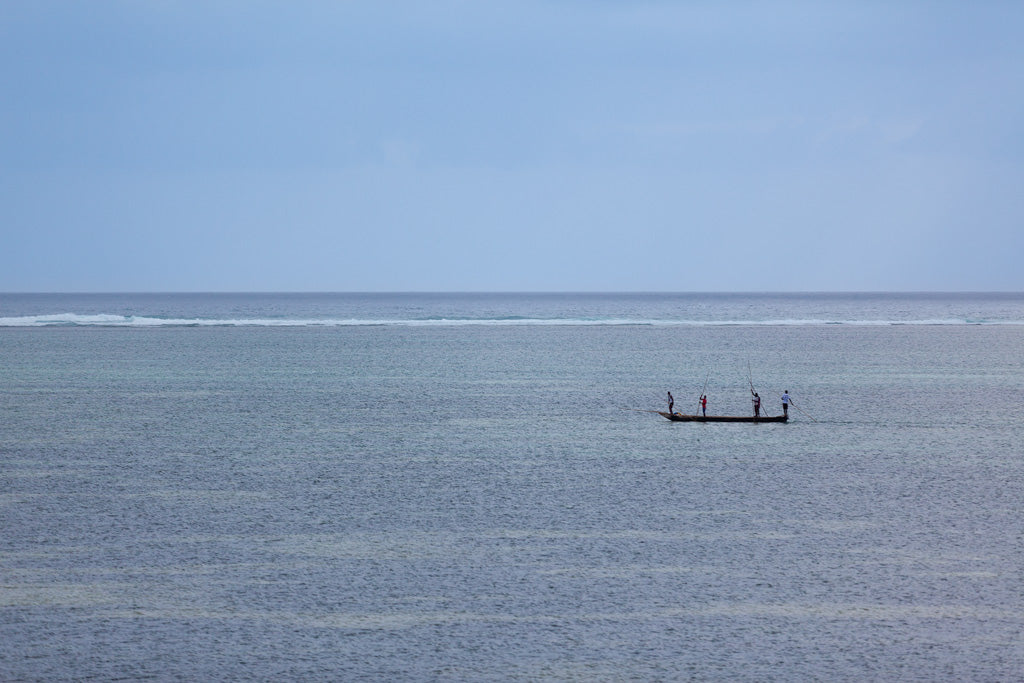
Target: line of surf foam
112	320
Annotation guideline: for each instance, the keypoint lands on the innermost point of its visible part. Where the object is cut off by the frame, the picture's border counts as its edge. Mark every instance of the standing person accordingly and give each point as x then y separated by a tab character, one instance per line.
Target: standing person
785	403
757	403
671	402
704	404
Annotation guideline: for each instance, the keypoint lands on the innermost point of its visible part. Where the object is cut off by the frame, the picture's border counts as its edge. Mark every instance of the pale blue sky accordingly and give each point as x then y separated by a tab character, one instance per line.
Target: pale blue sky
491	145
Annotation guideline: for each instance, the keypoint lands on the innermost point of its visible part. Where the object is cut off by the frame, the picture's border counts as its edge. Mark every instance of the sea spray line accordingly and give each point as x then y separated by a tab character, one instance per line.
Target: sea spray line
112	320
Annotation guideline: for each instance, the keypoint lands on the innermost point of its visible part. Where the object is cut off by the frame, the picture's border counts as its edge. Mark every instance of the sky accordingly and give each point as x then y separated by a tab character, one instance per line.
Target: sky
492	145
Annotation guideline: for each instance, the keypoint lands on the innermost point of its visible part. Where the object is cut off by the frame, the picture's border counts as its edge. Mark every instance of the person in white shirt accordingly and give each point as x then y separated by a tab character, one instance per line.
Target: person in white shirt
785	403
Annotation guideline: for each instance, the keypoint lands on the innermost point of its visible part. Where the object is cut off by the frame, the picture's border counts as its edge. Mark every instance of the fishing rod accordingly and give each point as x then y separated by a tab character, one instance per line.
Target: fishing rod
750	379
702	394
802	410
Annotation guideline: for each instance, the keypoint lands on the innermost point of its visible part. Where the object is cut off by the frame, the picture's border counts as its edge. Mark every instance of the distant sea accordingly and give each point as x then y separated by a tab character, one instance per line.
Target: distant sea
476	487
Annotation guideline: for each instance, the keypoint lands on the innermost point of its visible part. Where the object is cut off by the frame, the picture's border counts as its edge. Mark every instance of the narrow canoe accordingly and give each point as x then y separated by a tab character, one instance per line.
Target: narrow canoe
679	417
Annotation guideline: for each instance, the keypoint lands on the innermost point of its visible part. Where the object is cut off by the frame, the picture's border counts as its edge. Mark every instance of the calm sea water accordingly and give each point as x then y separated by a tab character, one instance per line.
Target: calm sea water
471	487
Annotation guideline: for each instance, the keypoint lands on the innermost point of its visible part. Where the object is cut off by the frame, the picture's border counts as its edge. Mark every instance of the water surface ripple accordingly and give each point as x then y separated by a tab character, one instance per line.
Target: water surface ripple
492	503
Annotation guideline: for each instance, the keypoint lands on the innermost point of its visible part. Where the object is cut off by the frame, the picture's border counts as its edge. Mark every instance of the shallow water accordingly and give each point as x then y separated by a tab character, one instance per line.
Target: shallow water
490	502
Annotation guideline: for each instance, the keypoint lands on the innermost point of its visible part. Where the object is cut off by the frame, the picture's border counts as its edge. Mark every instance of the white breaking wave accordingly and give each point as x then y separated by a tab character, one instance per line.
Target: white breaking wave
110	320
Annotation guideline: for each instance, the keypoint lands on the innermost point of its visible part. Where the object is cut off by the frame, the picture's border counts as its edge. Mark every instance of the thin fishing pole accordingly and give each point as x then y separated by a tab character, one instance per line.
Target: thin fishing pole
750	379
702	392
802	410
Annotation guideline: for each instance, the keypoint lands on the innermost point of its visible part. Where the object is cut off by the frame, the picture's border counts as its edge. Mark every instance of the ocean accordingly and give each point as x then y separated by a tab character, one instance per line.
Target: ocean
475	487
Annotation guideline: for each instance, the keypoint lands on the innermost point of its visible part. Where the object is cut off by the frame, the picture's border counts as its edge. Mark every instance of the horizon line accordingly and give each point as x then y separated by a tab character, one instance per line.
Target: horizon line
505	291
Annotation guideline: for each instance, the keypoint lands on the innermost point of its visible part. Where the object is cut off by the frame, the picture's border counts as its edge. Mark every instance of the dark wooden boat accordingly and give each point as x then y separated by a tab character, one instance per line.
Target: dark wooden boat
679	417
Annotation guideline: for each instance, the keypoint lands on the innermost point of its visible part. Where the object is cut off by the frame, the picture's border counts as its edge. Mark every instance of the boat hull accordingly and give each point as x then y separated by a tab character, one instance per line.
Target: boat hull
679	417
